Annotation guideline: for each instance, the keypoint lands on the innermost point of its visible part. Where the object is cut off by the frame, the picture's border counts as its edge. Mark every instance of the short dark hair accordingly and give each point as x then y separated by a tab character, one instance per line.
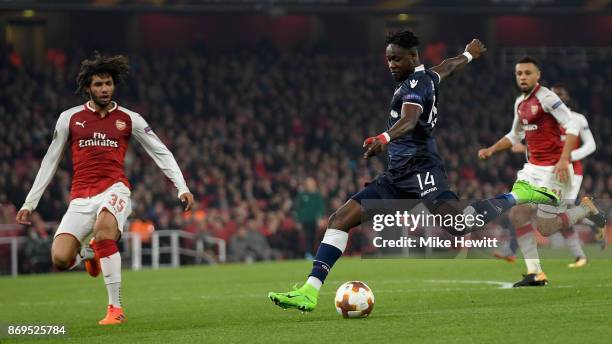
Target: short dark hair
405	39
528	59
116	66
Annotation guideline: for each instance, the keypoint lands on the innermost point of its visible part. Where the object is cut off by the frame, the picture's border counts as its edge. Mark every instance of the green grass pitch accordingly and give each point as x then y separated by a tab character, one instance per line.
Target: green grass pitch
417	301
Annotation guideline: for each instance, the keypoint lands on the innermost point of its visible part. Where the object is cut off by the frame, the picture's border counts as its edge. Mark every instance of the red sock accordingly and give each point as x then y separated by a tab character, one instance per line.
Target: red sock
565	219
520	231
106	248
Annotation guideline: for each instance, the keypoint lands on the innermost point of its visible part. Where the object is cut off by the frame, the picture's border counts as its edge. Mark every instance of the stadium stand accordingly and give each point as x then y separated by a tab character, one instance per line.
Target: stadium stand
249	127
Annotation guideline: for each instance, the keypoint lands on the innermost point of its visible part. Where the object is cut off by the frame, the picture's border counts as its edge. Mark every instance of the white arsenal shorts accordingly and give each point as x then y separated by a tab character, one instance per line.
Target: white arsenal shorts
544	176
575	189
82	213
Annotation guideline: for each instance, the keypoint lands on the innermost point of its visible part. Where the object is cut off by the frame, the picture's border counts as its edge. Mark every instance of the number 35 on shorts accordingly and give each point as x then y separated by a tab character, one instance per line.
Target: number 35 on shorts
117	202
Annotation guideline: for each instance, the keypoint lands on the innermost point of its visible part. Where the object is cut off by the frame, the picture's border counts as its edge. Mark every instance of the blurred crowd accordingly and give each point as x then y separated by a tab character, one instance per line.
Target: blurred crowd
270	142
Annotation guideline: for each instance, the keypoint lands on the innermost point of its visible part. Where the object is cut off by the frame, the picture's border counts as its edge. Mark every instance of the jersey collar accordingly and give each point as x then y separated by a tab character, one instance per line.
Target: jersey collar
419	68
113	108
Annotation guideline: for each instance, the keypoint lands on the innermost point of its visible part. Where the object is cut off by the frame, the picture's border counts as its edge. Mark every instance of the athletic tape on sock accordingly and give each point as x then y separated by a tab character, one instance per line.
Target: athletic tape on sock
336	238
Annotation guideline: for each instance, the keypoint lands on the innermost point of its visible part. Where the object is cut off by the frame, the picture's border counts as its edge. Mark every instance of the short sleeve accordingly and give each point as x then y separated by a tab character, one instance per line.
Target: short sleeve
415	92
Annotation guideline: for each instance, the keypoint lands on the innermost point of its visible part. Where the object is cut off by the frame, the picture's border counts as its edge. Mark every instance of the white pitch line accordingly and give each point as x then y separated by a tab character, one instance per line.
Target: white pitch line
506	285
502	285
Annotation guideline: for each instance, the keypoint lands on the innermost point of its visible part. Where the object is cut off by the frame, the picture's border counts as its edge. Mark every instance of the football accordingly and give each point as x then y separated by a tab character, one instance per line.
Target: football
354	299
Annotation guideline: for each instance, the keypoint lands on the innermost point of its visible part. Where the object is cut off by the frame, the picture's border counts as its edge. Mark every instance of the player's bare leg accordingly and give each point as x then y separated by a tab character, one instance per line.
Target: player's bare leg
331	249
106	234
66	253
64	249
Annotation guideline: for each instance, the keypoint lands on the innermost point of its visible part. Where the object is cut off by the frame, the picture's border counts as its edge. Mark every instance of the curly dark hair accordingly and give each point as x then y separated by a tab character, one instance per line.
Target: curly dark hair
116	66
405	39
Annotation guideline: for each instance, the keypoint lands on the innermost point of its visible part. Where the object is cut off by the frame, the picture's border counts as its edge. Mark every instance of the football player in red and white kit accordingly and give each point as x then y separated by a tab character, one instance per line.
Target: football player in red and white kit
586	146
98	133
539	117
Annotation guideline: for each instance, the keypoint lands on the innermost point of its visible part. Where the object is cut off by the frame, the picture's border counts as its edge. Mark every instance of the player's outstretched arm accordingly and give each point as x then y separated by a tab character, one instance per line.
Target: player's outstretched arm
473	50
46	171
512	138
162	156
501	145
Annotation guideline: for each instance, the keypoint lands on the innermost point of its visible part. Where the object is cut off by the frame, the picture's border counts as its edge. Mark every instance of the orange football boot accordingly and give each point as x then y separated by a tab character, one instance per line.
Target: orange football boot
509	258
93	265
114	316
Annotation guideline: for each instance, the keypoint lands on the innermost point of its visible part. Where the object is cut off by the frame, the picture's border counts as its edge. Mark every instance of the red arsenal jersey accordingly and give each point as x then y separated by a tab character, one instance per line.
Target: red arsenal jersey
539	118
98	145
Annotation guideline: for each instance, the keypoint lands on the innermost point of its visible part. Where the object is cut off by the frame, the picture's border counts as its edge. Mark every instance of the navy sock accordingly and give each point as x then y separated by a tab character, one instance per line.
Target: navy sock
492	208
326	257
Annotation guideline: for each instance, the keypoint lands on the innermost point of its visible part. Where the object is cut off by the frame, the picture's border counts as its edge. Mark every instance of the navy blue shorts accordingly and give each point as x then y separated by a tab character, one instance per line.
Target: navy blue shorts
430	184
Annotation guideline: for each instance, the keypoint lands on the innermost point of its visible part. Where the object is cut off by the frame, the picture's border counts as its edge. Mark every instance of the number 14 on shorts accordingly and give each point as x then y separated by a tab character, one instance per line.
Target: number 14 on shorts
428	179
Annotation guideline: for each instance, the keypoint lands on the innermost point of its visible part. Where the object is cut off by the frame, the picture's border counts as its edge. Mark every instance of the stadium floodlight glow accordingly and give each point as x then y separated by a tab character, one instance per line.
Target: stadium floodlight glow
403	17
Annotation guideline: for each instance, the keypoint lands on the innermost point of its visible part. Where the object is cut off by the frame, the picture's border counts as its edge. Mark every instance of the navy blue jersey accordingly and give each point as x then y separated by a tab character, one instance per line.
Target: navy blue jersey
416	150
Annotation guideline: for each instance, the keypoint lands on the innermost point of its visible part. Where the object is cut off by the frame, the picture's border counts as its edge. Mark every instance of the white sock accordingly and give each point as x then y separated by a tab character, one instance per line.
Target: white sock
86	253
576	214
574	245
77	260
111	270
516	199
529	247
315	282
588	222
336	238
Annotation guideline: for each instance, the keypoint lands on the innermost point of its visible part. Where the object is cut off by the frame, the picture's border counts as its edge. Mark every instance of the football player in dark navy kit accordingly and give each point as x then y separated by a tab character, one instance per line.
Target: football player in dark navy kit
415	168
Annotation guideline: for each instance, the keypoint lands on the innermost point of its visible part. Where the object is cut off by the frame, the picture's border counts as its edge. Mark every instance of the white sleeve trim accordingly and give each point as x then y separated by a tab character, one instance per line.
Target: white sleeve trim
417	104
51	160
157	150
439	76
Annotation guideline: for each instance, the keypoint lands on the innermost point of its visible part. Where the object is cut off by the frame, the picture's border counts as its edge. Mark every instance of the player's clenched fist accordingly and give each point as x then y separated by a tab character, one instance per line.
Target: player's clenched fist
23	217
484	153
475	48
375	144
187	200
